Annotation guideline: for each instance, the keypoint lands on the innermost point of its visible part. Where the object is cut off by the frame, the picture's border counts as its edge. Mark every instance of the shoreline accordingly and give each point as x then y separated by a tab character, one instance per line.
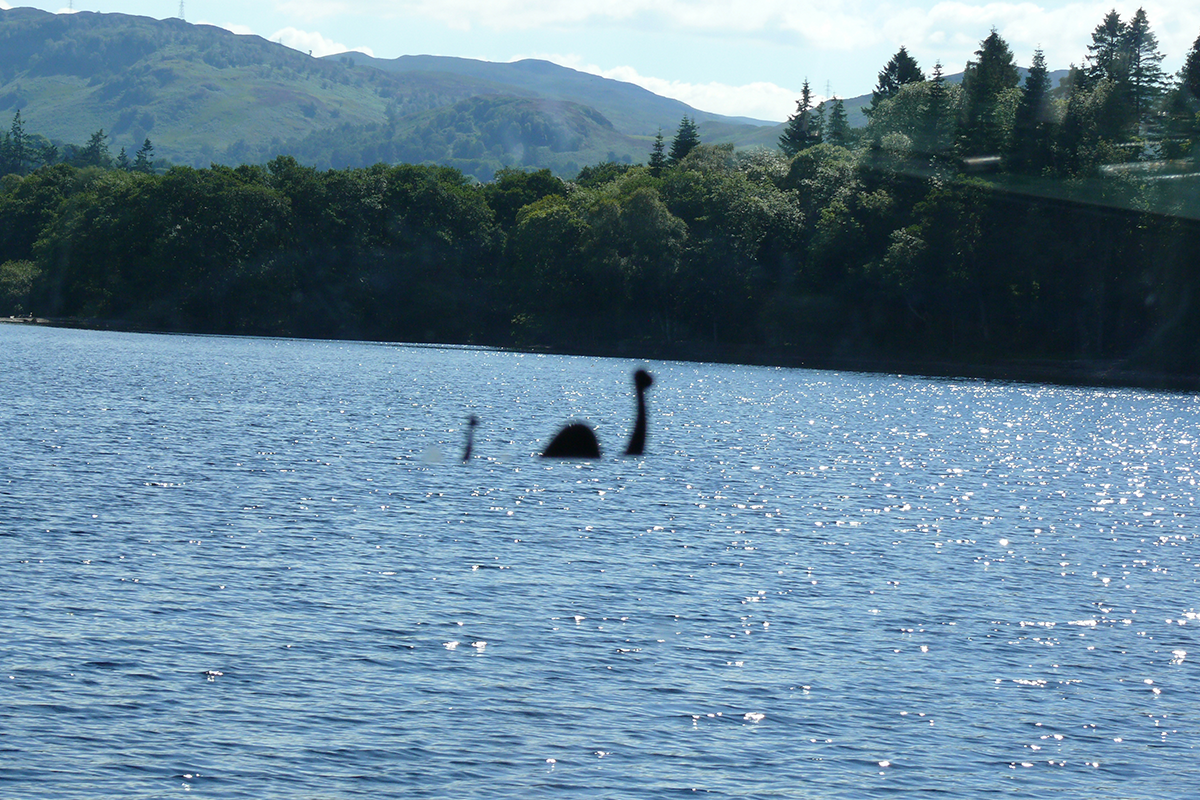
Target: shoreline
1060	372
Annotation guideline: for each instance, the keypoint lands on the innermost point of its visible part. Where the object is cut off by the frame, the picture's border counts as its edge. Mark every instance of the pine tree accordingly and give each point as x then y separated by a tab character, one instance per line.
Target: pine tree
797	135
141	159
18	147
49	154
839	126
1143	66
95	153
1031	130
817	124
984	83
658	160
1189	77
658	155
14	149
934	134
686	139
1183	108
901	70
122	161
1105	56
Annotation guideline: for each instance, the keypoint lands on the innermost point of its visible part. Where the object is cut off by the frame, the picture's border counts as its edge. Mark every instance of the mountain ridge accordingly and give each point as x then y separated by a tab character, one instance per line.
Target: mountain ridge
203	94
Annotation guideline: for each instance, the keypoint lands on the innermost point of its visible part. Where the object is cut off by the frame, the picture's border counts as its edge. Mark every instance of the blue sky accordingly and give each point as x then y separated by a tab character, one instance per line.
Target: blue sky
738	57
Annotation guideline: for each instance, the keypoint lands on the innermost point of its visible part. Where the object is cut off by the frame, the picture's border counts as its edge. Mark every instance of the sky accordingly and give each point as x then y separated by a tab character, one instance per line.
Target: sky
737	57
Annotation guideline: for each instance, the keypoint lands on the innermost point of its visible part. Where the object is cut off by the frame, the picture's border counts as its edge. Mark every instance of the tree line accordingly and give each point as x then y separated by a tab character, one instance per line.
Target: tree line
21	152
1119	107
872	248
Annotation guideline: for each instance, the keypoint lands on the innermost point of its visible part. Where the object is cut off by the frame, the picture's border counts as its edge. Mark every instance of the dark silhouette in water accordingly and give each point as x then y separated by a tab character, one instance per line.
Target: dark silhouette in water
578	441
637	440
471	423
574	441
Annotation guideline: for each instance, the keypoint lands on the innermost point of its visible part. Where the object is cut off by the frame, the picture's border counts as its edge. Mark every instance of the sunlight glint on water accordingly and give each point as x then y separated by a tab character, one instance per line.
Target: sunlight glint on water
233	568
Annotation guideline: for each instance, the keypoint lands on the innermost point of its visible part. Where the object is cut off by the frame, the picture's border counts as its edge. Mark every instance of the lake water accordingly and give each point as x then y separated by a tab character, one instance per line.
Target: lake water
238	568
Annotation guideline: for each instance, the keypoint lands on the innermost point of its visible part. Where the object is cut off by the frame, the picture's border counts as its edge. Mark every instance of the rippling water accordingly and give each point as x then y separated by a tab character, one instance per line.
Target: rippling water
246	568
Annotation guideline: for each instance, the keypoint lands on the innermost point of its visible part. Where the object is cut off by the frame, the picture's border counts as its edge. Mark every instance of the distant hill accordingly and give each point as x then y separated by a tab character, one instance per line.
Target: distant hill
203	94
631	109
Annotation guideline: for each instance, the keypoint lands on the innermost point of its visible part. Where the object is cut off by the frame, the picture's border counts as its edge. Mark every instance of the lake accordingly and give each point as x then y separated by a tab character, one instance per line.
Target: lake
258	568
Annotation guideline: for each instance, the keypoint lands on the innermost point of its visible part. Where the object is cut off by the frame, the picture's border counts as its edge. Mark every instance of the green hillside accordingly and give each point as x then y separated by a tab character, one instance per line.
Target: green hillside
203	94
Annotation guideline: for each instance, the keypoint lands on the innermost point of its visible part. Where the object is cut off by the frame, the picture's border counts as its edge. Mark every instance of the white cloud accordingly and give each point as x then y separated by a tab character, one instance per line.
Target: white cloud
304	41
240	30
950	30
312	42
759	100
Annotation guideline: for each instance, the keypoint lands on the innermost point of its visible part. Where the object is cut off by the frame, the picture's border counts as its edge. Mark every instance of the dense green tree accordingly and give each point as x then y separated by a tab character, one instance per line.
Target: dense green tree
143	159
923	113
817	124
1033	132
545	254
737	235
989	97
29	205
798	133
658	158
904	113
686	139
1093	123
15	154
16	287
513	189
1106	54
1147	81
839	133
936	130
1189	76
1182	107
601	174
95	152
49	154
901	70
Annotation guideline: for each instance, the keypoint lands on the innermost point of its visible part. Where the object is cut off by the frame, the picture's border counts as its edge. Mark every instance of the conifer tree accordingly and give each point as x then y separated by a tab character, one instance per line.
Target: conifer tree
1032	133
18	149
985	81
1183	108
123	161
14	149
141	159
658	159
95	153
1143	66
798	134
901	70
686	139
839	126
935	132
1105	58
1188	80
817	124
